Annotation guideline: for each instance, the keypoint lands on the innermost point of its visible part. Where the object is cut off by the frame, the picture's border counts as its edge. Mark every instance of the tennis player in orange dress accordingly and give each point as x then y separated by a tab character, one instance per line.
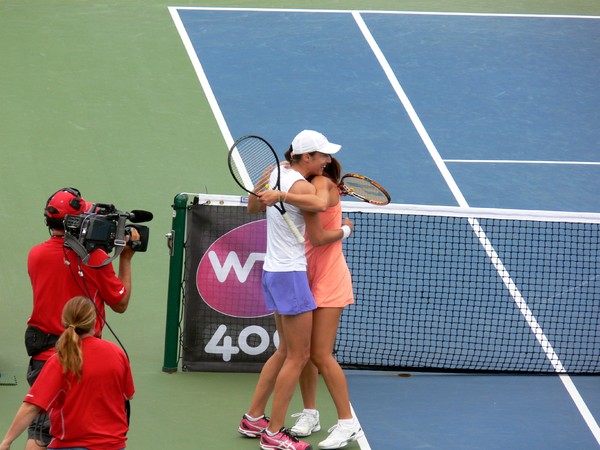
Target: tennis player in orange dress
331	284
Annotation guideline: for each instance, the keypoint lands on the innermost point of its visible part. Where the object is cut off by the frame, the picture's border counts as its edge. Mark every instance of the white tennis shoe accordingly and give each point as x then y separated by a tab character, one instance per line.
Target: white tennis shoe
341	435
306	424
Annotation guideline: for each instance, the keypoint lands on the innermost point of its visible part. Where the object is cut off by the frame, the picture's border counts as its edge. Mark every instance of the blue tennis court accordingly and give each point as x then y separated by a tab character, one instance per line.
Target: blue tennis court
487	111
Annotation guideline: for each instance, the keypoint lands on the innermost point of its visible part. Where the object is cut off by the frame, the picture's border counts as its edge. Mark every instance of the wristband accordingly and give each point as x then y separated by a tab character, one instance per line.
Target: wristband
346	230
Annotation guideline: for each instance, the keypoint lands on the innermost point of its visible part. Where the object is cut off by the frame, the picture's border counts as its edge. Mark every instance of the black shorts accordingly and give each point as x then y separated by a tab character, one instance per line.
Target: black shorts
39	429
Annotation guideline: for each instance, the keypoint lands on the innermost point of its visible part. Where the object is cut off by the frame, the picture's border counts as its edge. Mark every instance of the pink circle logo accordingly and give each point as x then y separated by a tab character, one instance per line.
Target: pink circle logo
230	272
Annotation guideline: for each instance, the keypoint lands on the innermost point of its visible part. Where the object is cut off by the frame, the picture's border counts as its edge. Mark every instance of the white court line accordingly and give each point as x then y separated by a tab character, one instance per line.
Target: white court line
362	442
212	100
520	161
491	252
389	12
411	111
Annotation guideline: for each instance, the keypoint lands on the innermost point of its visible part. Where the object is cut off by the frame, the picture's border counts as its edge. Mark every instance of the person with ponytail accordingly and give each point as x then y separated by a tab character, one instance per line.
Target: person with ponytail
84	388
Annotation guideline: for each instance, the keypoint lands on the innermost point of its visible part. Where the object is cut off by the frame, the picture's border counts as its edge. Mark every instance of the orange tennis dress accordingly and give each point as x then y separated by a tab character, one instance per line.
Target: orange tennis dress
328	274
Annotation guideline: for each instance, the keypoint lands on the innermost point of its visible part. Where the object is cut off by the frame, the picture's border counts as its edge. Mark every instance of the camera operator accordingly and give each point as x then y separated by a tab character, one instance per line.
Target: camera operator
57	274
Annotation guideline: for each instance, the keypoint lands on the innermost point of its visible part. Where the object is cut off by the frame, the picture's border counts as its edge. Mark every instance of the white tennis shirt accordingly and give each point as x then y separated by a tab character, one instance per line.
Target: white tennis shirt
284	253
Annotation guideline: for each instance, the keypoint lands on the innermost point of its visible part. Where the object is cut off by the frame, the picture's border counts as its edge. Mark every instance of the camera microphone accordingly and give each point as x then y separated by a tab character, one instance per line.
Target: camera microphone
138	216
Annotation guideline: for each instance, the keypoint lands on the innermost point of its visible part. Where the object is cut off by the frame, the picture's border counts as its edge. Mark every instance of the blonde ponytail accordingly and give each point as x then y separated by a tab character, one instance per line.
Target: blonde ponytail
79	318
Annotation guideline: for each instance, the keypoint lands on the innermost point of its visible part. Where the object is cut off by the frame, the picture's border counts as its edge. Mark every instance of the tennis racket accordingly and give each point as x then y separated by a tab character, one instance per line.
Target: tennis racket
251	162
363	188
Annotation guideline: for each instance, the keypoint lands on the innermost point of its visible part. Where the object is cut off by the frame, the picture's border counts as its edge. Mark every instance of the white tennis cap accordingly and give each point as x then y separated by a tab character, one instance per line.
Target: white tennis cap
308	141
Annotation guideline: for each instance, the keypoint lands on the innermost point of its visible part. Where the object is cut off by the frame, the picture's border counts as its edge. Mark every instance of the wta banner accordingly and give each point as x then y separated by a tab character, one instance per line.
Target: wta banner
226	326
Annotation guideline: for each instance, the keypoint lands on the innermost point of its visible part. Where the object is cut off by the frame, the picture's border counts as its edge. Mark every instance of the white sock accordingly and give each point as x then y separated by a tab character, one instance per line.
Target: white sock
313	412
347	423
254	419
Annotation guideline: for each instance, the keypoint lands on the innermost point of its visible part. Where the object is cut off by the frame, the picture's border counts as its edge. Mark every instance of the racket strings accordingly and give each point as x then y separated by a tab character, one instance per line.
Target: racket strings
252	161
365	189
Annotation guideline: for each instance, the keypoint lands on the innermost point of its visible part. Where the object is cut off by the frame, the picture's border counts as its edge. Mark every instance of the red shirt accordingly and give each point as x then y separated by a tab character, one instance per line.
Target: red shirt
89	412
56	277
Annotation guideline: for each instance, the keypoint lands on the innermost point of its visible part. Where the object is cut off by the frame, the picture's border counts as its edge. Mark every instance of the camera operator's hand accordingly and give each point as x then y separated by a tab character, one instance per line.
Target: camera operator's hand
132	236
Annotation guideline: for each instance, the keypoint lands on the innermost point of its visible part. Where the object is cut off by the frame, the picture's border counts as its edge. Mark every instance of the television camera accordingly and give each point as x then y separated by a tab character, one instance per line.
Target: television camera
105	227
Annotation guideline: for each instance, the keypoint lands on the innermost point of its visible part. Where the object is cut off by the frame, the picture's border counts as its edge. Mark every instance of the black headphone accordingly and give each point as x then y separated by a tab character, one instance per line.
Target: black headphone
75	203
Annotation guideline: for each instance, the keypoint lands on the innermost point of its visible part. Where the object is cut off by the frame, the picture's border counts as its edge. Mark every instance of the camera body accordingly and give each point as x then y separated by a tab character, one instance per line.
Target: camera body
99	228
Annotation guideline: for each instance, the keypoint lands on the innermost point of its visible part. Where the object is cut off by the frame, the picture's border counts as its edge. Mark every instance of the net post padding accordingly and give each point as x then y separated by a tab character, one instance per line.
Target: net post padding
176	243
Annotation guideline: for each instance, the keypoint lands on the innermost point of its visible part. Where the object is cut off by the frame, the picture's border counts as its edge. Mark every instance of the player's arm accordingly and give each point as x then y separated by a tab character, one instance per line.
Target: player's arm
302	195
319	236
314	228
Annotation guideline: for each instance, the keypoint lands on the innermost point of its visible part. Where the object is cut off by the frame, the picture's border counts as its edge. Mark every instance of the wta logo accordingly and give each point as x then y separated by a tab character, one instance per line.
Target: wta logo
230	272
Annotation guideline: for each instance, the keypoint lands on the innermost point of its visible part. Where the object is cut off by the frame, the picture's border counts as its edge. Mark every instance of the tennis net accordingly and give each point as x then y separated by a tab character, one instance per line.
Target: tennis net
456	289
436	289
